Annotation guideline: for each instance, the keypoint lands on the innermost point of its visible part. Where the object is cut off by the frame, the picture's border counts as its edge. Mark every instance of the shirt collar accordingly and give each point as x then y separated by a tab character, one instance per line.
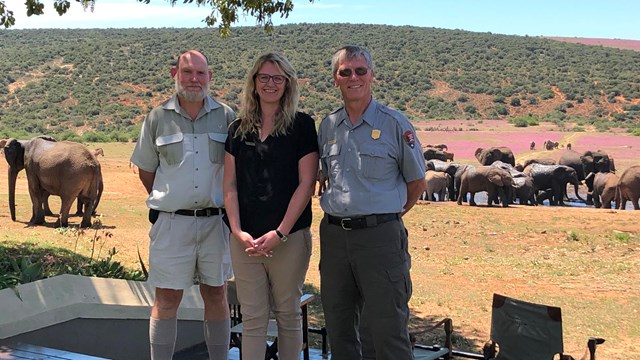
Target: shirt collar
368	116
173	104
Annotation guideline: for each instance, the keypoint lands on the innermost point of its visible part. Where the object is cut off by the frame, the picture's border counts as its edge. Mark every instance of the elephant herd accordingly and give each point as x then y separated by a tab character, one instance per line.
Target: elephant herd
63	168
535	181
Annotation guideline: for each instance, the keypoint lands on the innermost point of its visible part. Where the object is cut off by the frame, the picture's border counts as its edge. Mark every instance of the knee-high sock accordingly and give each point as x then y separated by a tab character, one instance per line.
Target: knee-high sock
162	337
217	334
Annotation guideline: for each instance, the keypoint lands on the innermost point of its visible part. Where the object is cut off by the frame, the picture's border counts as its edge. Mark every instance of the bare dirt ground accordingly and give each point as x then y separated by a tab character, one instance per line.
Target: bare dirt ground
584	260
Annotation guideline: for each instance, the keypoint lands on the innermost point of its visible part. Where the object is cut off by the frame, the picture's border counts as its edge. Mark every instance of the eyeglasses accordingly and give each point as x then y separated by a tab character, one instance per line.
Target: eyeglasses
360	71
277	79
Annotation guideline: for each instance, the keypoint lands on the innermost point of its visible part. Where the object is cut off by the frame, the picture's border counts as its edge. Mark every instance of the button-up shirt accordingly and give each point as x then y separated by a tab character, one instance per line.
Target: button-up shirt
368	164
186	156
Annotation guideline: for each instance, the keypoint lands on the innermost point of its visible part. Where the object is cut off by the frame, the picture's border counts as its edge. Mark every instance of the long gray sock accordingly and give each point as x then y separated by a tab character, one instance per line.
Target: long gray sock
162	337
217	334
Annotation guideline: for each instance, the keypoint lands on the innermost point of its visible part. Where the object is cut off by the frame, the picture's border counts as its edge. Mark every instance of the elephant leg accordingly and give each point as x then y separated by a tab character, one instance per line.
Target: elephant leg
37	211
504	194
79	211
63	220
596	199
88	211
45	203
472	200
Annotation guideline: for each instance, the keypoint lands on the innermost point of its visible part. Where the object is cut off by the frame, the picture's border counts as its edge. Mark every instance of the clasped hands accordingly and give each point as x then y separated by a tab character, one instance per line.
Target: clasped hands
262	246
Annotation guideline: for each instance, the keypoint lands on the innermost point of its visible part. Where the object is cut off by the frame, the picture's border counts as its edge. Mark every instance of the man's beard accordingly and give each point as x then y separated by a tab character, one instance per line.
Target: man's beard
190	95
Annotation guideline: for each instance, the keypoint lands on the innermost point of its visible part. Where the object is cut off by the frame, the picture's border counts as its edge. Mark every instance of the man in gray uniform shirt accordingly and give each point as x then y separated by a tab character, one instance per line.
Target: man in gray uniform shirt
180	156
375	167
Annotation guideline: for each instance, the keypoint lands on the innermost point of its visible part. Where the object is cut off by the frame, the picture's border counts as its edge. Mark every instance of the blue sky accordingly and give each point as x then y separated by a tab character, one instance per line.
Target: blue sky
573	18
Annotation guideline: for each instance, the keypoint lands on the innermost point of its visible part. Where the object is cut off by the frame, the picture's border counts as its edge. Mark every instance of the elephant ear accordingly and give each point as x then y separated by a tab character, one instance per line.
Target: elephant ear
496	178
14	154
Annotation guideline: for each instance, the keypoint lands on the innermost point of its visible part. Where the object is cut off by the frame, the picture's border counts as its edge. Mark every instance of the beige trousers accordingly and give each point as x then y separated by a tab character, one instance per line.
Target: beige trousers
266	285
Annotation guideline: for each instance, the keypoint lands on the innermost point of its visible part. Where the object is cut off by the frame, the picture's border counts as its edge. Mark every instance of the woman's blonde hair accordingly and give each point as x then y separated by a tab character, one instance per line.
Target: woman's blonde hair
250	112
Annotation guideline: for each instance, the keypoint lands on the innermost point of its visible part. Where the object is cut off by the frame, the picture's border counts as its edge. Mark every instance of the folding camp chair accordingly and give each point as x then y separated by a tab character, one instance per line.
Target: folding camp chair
432	352
528	331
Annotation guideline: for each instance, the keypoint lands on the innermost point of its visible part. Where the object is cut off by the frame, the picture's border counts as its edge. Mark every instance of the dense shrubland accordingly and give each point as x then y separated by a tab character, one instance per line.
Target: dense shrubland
96	85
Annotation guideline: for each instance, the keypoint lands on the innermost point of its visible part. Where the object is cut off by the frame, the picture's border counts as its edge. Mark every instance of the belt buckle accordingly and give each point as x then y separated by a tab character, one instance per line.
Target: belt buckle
343	225
195	212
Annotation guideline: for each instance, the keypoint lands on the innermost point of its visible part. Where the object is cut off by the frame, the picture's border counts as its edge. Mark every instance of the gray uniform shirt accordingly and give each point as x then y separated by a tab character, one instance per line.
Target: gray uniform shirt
368	164
187	156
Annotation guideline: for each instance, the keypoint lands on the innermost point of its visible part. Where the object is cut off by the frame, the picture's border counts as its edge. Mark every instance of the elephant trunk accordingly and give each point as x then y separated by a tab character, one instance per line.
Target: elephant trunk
13	175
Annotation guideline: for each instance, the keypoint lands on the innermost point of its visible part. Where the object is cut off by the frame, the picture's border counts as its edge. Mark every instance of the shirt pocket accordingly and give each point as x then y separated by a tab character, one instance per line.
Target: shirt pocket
329	156
373	162
171	148
216	147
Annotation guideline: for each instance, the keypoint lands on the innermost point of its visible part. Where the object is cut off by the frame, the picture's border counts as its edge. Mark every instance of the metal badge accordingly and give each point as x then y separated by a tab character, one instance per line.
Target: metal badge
375	134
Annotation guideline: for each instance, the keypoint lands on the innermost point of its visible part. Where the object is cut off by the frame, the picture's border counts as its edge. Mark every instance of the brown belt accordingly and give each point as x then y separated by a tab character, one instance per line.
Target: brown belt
362	222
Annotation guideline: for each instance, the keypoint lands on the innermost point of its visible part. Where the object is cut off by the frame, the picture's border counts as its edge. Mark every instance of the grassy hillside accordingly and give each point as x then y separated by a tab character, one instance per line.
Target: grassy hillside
100	83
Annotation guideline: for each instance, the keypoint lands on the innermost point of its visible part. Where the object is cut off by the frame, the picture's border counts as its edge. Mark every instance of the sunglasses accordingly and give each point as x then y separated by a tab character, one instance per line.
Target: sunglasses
277	79
360	71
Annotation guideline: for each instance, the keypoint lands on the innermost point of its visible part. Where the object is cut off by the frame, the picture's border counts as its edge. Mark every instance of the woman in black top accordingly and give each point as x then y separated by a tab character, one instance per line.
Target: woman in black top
271	163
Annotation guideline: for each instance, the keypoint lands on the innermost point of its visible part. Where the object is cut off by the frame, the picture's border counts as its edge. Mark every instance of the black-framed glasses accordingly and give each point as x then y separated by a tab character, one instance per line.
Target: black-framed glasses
360	71
277	79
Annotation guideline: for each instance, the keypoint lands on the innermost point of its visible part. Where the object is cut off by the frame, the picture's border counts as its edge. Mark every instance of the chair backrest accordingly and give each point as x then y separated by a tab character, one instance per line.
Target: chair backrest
525	331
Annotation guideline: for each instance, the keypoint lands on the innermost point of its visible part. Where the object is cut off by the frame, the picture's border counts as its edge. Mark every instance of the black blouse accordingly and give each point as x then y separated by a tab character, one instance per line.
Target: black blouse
267	174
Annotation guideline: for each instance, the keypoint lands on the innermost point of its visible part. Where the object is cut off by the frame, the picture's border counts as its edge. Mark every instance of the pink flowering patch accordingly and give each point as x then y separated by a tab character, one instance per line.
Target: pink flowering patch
462	140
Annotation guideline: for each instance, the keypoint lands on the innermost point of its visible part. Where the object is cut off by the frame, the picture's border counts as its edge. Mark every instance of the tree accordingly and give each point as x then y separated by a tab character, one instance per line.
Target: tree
223	12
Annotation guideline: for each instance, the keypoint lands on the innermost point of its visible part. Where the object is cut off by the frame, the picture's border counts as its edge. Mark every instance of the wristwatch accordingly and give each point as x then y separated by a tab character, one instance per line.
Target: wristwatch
283	237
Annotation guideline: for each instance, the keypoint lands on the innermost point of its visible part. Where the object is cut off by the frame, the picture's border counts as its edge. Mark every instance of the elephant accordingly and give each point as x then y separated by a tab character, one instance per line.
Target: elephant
585	163
455	171
79	207
495	181
488	156
64	168
532	145
441	147
436	165
550	145
524	190
433	153
569	146
628	188
543	161
322	181
515	173
604	189
437	183
554	178
448	155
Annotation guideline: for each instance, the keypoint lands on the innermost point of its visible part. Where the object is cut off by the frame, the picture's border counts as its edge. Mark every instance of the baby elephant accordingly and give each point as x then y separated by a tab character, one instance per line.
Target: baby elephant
495	181
437	183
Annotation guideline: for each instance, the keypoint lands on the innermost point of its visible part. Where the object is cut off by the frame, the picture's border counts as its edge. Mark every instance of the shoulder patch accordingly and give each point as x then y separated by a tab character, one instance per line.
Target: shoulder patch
409	138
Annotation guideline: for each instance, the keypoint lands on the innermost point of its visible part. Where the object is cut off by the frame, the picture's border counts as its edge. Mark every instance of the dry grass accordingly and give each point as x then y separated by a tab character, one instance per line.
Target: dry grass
583	260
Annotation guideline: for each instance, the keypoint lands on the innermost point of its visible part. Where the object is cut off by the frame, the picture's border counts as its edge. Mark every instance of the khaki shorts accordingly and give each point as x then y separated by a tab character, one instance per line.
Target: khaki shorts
188	248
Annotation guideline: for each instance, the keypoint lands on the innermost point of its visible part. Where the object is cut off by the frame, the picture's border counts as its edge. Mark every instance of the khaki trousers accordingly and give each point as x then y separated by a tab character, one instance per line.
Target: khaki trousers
274	284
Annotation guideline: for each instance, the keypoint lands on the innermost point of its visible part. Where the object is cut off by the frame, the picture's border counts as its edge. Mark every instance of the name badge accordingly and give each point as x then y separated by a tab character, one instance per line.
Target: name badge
249	143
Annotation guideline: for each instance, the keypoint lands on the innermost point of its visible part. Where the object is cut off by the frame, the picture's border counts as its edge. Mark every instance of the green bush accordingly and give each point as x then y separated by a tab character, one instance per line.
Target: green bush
22	263
501	110
520	122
